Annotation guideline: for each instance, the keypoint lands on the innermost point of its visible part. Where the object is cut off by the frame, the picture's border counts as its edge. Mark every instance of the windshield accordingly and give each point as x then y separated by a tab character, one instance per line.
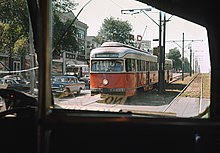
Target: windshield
59	79
137	58
107	66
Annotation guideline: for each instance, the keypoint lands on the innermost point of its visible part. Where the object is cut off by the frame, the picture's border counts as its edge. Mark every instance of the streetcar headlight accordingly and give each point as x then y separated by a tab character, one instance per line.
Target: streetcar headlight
105	81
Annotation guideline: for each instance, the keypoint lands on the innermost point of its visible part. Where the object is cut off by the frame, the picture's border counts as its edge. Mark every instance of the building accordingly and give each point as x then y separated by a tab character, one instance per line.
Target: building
91	44
69	57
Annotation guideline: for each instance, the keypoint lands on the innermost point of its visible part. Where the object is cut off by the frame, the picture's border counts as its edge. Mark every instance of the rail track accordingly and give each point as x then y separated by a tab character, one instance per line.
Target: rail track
178	77
193	89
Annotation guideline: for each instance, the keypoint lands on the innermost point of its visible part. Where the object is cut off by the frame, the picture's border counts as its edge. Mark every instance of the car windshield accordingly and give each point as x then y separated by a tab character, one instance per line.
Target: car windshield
59	79
138	59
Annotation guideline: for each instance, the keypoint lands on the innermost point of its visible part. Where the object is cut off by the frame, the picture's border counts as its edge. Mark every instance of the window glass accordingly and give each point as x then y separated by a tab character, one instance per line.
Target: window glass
130	65
107	66
130	60
153	66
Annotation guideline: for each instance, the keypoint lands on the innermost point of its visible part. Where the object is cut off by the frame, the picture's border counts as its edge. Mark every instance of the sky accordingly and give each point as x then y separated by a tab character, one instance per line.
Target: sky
94	13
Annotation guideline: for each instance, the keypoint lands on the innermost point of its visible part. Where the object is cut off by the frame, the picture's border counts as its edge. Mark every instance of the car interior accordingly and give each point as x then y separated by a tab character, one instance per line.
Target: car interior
40	127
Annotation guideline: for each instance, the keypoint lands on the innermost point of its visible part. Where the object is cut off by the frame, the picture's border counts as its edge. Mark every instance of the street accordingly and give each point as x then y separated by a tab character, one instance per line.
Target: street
110	103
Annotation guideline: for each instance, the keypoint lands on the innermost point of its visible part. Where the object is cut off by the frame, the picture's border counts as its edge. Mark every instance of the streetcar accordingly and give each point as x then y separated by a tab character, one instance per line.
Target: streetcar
119	69
168	70
78	70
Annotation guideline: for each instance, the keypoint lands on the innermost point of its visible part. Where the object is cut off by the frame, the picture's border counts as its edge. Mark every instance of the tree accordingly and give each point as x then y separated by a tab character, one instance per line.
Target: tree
14	24
65	5
64	31
115	30
186	65
175	55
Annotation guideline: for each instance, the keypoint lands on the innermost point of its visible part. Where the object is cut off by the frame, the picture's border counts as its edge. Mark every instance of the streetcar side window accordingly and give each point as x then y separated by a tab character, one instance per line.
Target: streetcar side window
138	65
141	65
153	66
130	65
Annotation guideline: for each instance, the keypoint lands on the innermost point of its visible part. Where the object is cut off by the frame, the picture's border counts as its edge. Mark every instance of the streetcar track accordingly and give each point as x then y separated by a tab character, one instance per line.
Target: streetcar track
181	92
178	77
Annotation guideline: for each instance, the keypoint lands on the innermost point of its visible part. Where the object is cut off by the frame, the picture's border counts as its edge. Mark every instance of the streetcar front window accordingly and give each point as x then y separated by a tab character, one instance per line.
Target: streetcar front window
107	66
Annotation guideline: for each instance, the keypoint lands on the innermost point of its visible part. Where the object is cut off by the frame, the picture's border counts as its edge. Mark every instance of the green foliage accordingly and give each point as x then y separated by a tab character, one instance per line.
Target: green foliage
114	30
20	46
64	5
175	55
64	31
14	26
4	28
186	65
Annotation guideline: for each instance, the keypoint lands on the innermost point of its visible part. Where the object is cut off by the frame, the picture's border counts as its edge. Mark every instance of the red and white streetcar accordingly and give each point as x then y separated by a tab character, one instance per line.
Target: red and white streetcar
119	69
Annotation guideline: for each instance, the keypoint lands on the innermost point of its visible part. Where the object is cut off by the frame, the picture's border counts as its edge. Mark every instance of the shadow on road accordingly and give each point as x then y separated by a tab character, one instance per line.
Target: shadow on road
154	98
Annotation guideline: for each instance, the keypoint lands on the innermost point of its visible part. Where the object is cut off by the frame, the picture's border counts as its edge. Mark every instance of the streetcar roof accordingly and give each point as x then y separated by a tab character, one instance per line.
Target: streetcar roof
121	50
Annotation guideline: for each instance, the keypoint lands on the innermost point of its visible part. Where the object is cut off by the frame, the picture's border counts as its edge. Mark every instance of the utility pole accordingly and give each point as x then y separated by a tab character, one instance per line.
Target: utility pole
193	63
190	62
64	62
161	88
160	52
32	54
183	58
182	47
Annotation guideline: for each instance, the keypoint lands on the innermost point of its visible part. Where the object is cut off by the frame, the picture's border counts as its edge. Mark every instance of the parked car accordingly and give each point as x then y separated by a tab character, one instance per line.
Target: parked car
86	79
18	78
70	84
10	83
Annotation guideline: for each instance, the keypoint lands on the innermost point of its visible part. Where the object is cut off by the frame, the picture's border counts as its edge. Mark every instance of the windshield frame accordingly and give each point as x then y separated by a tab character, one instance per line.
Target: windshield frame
46	85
